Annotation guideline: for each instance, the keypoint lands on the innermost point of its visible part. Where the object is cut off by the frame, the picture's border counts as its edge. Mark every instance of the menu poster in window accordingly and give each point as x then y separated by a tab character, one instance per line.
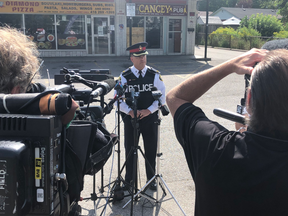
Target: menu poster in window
44	41
74	41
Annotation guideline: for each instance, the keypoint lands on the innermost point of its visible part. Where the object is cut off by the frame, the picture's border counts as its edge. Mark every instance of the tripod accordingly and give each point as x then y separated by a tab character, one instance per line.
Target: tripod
157	175
117	192
132	162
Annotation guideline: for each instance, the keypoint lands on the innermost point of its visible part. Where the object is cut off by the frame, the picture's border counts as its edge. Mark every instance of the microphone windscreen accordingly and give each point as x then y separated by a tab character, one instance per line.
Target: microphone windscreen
35	103
276	44
111	84
154	88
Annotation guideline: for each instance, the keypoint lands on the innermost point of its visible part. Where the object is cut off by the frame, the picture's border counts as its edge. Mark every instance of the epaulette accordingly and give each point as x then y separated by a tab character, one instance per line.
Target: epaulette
153	70
127	71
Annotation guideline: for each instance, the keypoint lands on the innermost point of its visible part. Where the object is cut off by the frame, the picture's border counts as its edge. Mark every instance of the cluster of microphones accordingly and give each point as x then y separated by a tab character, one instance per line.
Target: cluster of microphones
120	91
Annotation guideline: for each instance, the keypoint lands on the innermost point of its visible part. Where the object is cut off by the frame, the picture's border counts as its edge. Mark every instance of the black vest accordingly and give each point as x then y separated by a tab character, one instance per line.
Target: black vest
143	86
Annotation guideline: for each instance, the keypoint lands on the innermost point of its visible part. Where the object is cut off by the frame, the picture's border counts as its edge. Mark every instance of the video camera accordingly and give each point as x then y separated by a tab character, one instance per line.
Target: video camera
42	160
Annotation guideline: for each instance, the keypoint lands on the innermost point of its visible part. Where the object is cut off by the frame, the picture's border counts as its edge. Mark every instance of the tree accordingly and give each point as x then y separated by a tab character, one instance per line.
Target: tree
266	25
283	9
216	4
244	3
266	4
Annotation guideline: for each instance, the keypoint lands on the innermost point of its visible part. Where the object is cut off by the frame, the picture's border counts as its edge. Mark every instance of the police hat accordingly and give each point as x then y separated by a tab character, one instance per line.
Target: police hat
138	49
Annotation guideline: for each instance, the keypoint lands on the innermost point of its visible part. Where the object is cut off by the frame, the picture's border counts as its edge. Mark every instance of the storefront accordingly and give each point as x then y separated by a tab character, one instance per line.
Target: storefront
161	25
84	28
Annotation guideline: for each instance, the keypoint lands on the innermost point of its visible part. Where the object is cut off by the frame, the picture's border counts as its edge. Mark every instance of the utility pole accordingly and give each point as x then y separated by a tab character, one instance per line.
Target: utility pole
130	29
206	29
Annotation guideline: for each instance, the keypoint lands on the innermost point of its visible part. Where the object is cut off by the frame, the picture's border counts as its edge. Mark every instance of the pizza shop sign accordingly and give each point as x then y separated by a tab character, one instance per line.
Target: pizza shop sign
57	7
161	10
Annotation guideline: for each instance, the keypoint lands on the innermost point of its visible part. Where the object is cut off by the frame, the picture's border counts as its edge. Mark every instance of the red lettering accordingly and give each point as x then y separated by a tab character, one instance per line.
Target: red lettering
26	4
20	3
7	3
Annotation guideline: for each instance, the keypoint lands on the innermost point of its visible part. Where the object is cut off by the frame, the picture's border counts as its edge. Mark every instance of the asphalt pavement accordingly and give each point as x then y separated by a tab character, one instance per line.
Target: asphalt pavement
177	196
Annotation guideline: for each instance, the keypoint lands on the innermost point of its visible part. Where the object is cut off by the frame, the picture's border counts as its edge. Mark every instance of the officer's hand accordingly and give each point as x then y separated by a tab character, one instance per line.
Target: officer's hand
131	113
144	113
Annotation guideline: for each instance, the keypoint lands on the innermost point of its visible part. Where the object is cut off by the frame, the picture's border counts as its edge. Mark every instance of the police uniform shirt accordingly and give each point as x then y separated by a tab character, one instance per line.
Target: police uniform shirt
158	83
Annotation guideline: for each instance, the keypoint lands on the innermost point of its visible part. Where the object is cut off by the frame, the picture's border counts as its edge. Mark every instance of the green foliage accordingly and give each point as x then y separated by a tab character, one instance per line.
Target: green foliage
215	4
244	32
285	27
265	24
266	4
282	5
283	9
245	3
226	30
242	38
281	34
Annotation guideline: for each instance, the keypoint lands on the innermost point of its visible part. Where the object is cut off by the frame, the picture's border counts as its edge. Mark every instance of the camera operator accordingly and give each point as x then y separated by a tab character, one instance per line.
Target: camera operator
19	62
238	173
143	77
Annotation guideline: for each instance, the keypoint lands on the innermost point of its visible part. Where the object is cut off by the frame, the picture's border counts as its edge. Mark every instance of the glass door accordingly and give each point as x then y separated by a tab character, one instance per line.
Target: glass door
175	36
100	35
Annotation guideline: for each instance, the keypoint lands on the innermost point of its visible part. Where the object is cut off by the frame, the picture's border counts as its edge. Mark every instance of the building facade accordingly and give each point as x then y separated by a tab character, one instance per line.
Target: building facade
104	27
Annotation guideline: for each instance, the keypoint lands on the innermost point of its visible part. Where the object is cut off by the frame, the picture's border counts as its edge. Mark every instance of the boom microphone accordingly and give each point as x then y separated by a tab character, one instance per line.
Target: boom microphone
103	87
229	115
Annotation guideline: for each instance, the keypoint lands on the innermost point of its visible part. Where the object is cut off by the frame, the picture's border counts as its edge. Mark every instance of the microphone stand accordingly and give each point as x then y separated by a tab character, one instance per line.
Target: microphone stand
133	150
157	176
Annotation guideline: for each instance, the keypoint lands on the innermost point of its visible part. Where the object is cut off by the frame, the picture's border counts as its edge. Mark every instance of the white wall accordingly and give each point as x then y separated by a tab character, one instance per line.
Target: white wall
191	23
120	33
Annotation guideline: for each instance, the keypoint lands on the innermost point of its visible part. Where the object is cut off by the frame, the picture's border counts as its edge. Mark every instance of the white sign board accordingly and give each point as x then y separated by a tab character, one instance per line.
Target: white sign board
100	31
130	9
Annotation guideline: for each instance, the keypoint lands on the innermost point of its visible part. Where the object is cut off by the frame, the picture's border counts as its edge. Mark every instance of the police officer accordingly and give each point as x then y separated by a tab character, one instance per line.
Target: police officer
142	78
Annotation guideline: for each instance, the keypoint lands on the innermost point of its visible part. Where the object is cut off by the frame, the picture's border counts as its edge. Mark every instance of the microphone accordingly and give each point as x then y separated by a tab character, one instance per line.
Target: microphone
156	95
229	115
103	87
120	90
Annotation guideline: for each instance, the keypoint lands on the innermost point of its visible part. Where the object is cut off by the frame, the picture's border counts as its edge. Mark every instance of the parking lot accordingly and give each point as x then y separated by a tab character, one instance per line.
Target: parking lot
172	164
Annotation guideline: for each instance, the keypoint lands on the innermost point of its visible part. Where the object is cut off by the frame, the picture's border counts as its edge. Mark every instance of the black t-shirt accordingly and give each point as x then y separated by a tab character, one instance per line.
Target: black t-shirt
234	173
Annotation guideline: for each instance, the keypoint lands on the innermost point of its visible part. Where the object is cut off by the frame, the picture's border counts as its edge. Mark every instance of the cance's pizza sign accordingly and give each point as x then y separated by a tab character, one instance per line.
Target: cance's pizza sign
161	10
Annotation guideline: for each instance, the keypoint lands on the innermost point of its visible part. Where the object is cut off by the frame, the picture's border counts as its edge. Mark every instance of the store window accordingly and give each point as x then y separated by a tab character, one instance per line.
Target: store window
41	29
71	31
137	24
149	29
154	32
12	20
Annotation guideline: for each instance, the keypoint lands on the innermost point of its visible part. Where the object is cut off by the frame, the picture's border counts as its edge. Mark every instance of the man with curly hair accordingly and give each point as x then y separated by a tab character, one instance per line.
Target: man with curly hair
19	61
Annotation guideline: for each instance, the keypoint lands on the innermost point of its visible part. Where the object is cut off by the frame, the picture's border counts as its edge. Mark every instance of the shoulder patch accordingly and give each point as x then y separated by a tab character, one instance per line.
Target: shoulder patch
160	78
153	70
127	71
